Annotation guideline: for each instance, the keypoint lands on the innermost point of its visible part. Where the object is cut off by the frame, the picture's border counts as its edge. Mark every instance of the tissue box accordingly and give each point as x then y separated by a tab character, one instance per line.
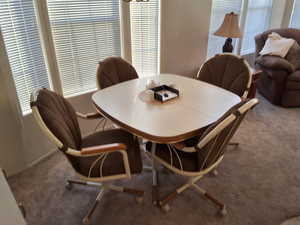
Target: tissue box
165	93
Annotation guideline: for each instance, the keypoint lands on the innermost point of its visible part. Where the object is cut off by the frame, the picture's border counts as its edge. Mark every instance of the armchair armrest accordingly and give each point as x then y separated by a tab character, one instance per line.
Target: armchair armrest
275	63
89	116
102	149
115	147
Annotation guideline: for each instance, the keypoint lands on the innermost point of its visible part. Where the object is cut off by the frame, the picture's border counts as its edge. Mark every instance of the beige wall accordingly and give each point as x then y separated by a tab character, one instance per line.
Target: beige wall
11	151
184	35
278	11
287	13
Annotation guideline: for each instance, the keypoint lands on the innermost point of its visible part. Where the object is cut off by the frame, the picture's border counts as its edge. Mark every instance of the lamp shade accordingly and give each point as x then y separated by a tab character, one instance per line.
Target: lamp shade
230	27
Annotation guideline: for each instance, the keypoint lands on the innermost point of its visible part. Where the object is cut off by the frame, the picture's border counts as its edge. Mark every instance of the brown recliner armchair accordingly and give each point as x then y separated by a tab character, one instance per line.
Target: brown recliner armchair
279	82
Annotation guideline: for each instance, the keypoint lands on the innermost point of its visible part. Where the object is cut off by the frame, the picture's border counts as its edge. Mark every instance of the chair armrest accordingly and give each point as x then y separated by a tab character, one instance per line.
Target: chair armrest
95	150
275	63
180	146
115	147
89	116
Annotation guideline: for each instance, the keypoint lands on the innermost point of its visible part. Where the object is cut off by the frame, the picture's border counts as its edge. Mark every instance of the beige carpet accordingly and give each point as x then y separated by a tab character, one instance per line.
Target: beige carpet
259	182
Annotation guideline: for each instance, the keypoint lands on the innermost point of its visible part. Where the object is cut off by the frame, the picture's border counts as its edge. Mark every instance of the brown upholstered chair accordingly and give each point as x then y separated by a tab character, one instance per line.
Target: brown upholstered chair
114	70
227	71
195	162
103	156
279	82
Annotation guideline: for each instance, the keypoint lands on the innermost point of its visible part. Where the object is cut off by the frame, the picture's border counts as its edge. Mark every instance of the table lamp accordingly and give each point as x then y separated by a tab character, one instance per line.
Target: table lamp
230	29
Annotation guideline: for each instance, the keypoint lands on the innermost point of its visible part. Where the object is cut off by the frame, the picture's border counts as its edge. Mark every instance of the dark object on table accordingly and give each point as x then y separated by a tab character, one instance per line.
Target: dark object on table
279	82
165	93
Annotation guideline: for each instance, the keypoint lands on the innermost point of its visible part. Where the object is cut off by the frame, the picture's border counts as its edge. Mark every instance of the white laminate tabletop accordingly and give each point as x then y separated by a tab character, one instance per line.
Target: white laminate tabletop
199	105
10	213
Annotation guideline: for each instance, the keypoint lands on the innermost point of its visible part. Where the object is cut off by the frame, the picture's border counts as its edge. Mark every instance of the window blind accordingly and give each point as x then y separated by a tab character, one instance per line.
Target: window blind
145	36
257	21
21	37
218	11
295	19
84	32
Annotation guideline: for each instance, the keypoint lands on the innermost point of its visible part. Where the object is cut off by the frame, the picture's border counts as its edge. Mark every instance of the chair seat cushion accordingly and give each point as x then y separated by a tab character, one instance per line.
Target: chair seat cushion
112	164
293	81
189	161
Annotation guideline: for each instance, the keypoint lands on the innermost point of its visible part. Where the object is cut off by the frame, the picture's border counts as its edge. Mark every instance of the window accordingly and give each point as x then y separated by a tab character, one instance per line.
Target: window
21	37
219	9
145	36
295	21
84	33
258	20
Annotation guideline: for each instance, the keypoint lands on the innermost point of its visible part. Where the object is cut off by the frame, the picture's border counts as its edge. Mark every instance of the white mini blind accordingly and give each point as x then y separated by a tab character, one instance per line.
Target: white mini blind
84	32
218	11
257	21
21	37
295	19
145	37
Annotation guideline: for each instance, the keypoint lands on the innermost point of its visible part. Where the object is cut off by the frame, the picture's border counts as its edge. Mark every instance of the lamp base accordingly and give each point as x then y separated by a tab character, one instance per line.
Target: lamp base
227	47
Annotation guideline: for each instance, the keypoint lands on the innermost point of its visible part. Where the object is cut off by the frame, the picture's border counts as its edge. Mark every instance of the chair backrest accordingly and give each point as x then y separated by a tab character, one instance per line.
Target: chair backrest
260	39
114	70
57	118
227	71
212	144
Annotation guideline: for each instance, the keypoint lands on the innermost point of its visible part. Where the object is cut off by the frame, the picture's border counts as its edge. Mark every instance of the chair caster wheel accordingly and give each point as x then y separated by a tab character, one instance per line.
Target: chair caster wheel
166	208
223	211
22	208
139	200
215	173
86	221
69	186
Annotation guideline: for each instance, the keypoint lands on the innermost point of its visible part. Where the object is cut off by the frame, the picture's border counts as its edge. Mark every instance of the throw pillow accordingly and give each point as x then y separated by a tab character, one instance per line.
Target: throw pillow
277	45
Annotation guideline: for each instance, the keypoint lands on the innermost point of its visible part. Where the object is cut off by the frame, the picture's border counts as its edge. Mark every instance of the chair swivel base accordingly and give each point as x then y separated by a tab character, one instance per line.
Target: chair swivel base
163	203
86	220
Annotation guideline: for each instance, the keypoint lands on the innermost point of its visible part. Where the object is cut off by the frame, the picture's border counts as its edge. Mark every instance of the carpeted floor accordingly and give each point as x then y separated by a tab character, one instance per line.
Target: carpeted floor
259	182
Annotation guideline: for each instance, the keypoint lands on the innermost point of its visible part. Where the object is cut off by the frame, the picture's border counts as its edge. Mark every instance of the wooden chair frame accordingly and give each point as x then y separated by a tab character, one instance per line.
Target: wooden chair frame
193	177
99	150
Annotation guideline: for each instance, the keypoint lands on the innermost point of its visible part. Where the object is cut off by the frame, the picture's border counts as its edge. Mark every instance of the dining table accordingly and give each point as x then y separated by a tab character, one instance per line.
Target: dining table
199	104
